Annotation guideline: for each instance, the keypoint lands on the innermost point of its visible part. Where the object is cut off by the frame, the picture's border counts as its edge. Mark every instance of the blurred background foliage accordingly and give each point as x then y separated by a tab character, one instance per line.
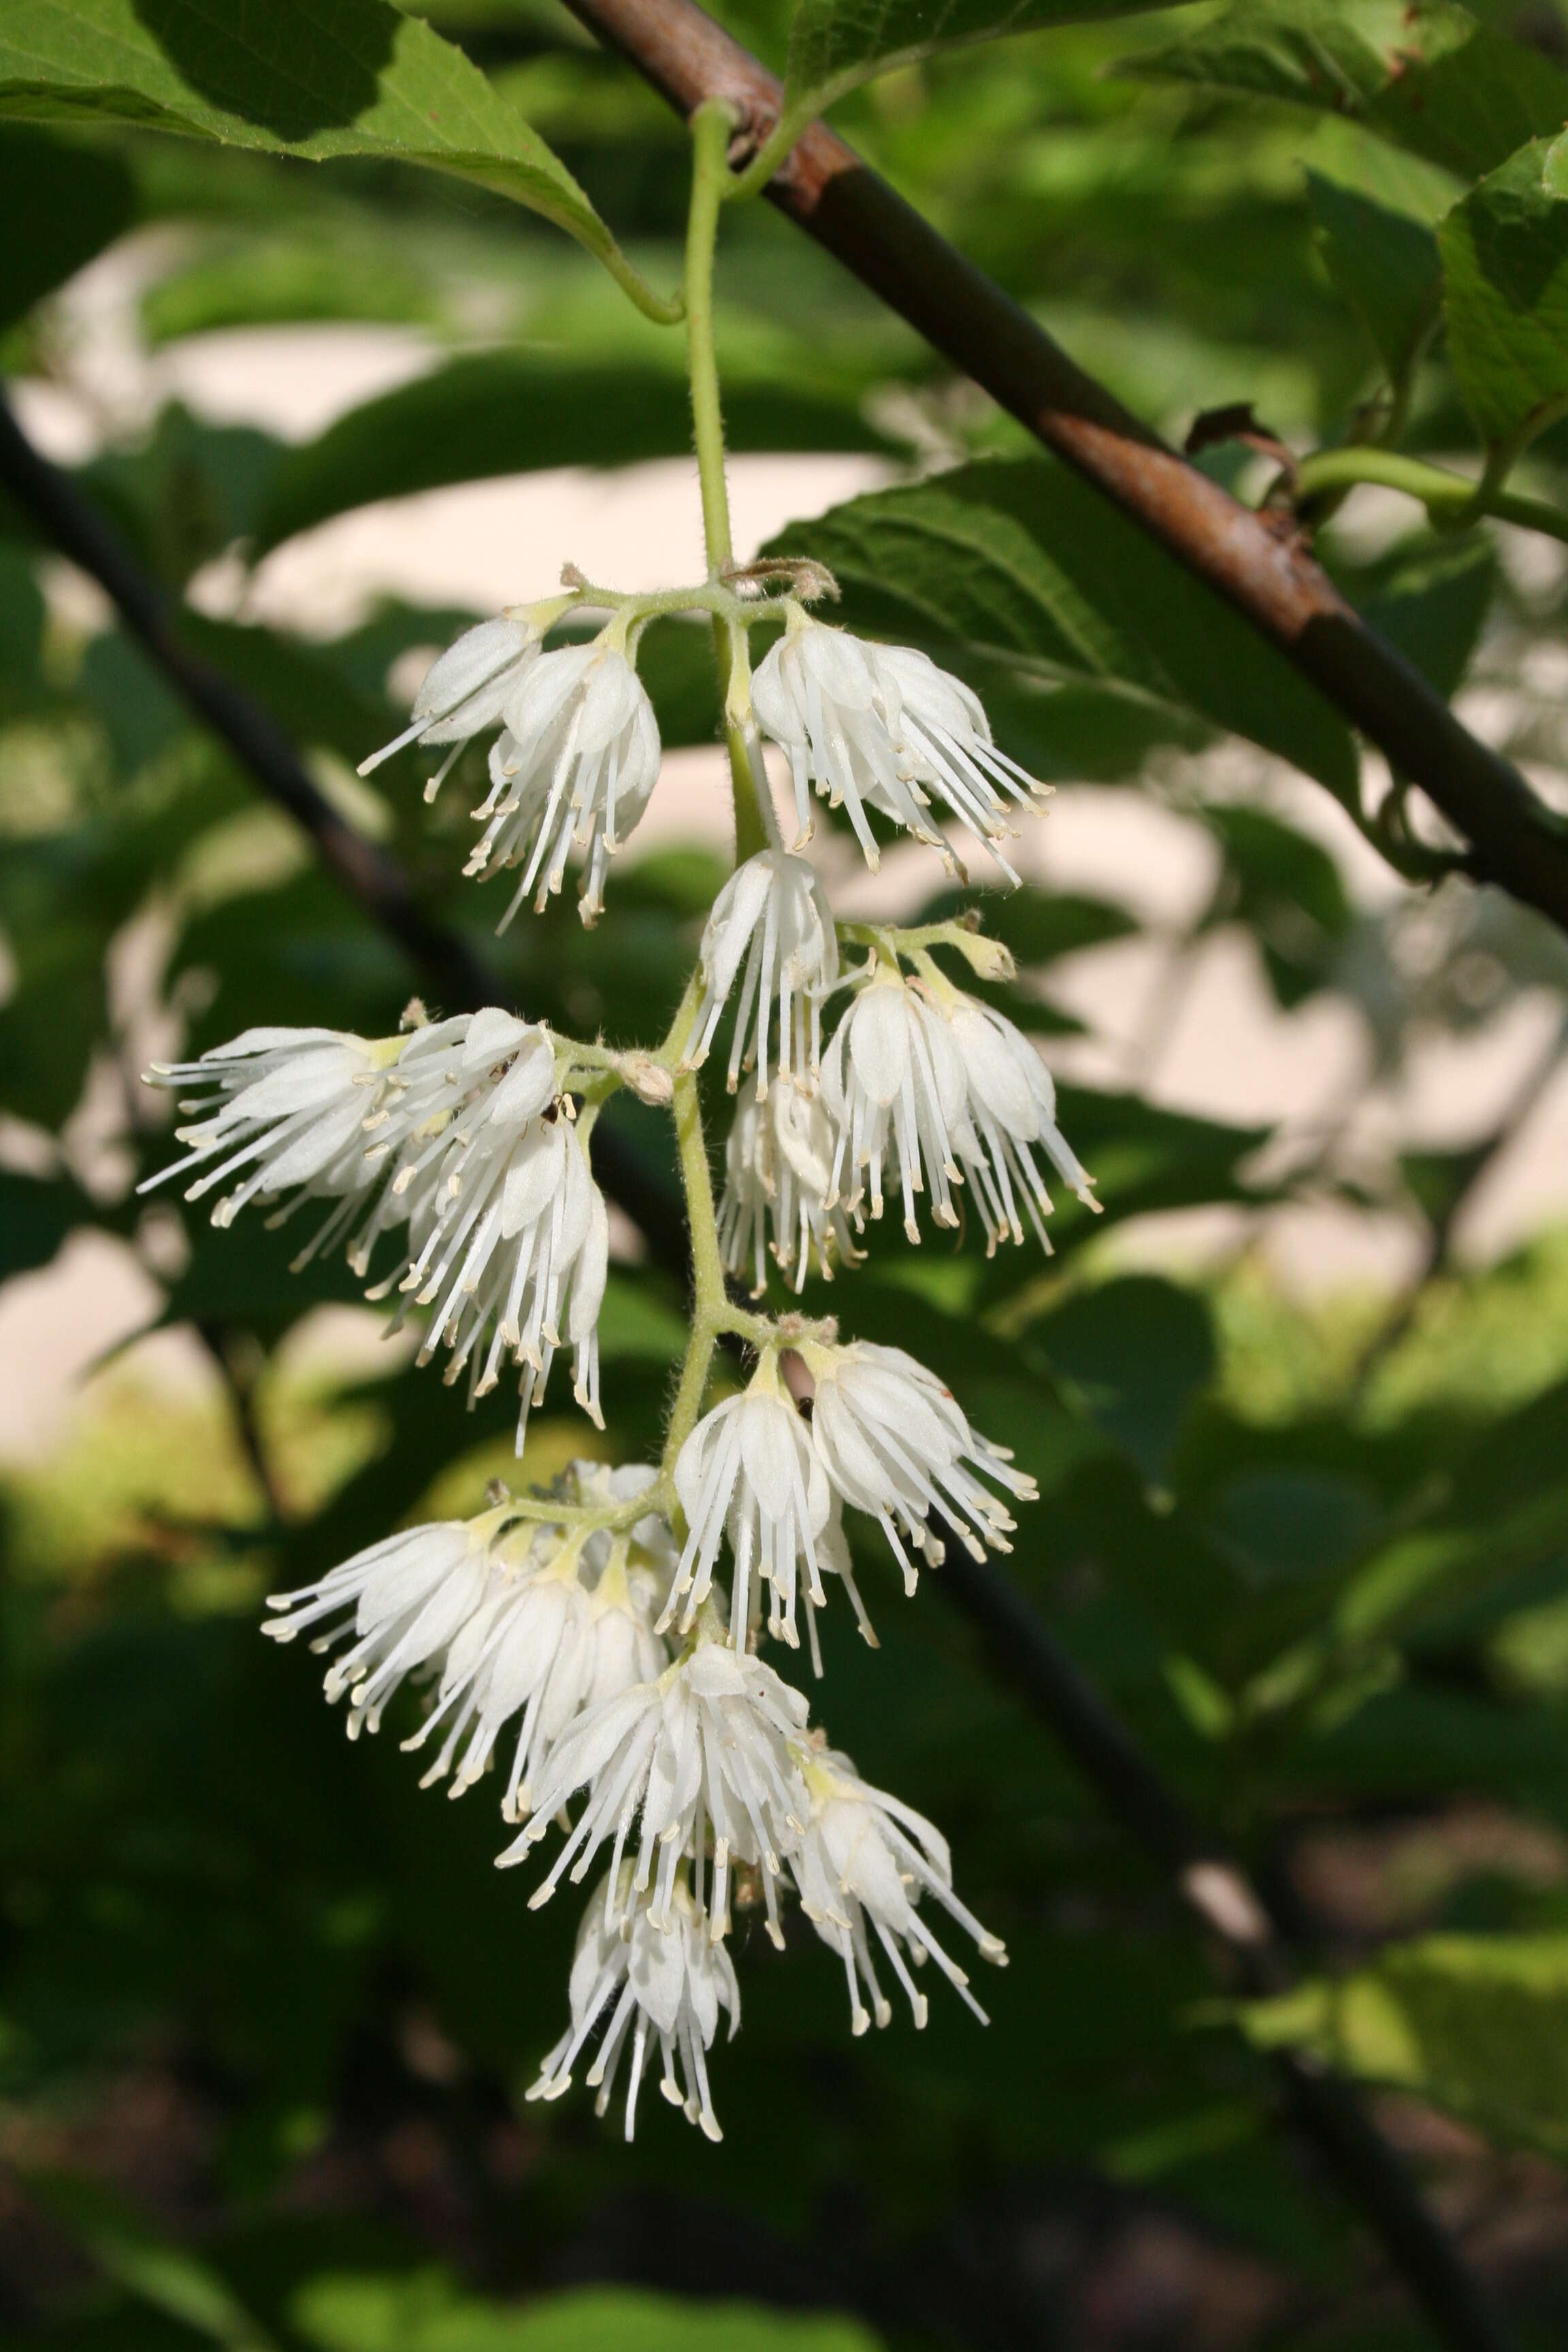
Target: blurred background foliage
266	2011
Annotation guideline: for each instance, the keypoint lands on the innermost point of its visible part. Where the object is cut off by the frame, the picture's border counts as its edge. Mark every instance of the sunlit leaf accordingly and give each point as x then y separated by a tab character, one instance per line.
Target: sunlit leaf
1429	77
1476	2024
1505	294
835	45
316	79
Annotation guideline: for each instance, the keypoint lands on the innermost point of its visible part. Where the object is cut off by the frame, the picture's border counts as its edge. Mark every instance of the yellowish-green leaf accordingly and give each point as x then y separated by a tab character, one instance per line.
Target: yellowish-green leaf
425	2313
1478	2024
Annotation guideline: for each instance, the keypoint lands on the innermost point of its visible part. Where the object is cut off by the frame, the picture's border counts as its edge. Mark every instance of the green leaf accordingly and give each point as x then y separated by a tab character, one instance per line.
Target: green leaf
75	200
1023	569
21	632
1285	889
35	1216
1430	597
508	412
186	493
152	2268
1382	263
316	79
424	2314
1426	77
1476	2025
836	44
1138	1352
1505	280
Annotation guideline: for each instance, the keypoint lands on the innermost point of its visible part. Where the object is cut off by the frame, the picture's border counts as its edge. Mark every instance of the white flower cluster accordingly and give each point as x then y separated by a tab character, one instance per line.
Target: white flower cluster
512	1614
595	1645
578	756
452	1135
543	1638
884	1437
923	1089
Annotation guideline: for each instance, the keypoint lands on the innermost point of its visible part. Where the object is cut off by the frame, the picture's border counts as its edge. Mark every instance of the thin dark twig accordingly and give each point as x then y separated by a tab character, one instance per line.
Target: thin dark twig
1259	563
1368	2171
456	978
224	1345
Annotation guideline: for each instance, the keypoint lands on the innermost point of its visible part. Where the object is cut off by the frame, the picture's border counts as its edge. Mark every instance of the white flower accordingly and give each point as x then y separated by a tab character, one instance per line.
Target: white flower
748	1468
455	1131
667	1980
882	726
565	1622
463	691
778	1171
944	742
1012	1107
574	768
509	1239
894	1086
864	1858
319	1112
291	1108
708	1744
772	917
894	1442
402	1601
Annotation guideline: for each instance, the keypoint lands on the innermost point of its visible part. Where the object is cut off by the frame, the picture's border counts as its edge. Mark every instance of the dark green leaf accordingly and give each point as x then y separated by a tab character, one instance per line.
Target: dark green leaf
188	493
1428	77
35	1216
75	200
140	714
49	1024
1505	296
1285	889
1024	567
21	631
507	412
1279	1525
1383	263
1430	596
1137	1353
310	78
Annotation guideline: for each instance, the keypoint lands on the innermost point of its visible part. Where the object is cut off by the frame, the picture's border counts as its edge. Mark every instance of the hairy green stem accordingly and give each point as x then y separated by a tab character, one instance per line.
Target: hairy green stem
664	309
1450	499
715	596
711	128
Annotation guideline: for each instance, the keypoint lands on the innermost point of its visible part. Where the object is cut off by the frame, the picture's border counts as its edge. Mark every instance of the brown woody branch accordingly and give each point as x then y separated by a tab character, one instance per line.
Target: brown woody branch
1259	567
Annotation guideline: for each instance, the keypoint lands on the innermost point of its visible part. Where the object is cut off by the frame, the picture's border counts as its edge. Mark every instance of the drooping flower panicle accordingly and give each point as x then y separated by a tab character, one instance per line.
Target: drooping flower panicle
896	1444
591	1648
894	1088
705	1749
452	1136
